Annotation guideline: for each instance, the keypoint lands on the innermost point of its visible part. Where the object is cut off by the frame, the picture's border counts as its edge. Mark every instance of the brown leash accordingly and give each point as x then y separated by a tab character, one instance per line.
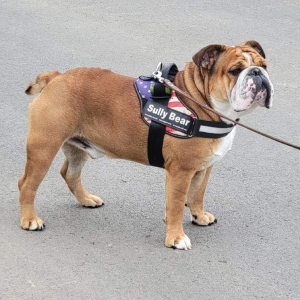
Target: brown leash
169	84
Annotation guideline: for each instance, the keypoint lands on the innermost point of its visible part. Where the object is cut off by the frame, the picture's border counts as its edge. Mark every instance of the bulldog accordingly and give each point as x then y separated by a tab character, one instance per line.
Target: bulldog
91	112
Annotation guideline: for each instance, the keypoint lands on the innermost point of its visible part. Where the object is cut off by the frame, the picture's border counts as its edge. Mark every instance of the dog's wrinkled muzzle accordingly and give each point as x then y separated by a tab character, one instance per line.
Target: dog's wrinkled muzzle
252	87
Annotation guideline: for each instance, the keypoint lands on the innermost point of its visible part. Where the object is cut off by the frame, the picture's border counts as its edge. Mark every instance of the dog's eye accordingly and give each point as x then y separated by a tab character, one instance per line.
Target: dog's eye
235	72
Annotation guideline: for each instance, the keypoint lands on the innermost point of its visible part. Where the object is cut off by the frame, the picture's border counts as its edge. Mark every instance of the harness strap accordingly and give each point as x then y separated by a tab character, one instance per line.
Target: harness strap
157	130
209	129
159	94
155	143
169	70
184	123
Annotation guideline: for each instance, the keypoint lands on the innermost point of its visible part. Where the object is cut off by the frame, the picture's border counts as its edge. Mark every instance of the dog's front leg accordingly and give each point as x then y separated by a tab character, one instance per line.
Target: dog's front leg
177	185
196	196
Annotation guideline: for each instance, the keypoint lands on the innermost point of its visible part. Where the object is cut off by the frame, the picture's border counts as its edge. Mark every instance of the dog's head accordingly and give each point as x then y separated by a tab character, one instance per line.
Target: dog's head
236	75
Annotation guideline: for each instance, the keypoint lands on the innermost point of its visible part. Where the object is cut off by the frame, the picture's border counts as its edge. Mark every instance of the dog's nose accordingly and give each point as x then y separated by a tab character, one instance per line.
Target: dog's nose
255	72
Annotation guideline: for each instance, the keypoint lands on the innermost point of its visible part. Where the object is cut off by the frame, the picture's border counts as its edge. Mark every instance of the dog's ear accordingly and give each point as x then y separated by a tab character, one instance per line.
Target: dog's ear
256	46
207	56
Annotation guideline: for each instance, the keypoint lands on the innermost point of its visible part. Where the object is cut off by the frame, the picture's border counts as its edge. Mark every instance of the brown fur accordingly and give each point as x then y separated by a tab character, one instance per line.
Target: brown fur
102	107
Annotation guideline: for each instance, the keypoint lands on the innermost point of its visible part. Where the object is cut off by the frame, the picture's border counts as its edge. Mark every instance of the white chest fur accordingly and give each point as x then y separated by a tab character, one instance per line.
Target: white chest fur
224	146
225	143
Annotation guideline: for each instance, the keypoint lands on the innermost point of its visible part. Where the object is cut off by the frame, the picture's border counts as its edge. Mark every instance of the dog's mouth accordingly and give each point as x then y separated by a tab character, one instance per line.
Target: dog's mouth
253	89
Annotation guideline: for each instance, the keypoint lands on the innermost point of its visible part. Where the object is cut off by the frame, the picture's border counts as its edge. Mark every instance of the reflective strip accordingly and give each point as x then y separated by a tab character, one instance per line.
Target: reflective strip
215	130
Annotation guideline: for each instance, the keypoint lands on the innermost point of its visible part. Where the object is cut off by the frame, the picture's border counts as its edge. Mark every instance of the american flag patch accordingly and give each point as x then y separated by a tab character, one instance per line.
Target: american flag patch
143	88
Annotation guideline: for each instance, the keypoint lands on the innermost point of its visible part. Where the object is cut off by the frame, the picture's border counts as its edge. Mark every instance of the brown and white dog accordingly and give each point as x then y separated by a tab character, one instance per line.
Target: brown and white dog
91	112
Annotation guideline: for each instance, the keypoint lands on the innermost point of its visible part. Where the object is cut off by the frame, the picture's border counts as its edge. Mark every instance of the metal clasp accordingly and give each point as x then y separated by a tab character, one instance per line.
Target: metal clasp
158	74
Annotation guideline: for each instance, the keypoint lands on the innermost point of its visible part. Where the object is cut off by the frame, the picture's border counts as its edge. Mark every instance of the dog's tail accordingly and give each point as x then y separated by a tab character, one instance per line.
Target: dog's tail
40	82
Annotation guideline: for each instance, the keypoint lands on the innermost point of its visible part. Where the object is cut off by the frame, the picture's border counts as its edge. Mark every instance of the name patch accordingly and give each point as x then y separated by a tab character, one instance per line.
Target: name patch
167	116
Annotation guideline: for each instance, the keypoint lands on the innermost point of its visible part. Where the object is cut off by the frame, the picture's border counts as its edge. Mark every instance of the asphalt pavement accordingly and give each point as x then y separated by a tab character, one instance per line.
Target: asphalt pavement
117	251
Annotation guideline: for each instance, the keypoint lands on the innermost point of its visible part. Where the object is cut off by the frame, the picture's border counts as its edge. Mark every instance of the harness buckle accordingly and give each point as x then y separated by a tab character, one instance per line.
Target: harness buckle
191	128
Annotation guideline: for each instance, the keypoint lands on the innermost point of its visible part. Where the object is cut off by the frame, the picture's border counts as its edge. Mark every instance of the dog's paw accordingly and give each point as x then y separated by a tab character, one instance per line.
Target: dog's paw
181	242
203	219
91	201
34	224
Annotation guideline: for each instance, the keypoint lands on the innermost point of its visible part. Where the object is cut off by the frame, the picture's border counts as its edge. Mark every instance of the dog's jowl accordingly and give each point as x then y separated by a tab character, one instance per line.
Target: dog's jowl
91	112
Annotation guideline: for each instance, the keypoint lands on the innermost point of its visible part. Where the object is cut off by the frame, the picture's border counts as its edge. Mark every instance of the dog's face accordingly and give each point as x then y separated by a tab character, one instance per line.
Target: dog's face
236	75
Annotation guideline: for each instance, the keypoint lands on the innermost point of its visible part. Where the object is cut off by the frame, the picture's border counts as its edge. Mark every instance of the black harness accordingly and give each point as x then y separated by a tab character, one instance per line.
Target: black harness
154	104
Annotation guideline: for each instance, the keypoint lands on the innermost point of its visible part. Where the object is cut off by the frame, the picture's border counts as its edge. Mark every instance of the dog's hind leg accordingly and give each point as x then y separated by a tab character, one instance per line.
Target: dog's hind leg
48	130
71	172
40	153
196	196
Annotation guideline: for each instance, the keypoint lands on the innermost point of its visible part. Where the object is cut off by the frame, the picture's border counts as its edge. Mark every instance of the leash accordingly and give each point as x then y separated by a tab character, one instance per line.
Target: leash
158	75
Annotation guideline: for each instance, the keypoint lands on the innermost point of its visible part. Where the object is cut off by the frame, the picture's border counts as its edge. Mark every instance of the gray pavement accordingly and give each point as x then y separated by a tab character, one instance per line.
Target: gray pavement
117	251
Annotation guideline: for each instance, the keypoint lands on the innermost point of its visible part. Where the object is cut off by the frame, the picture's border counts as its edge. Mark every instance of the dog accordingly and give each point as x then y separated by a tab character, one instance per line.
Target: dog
92	112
